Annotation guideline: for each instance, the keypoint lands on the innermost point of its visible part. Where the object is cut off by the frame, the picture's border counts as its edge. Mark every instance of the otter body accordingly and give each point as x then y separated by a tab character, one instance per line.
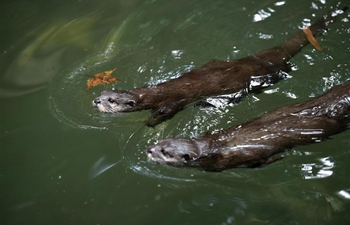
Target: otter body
251	73
254	143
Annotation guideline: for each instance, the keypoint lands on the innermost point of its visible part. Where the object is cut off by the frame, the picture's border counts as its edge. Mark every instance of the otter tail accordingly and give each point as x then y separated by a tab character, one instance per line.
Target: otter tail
281	53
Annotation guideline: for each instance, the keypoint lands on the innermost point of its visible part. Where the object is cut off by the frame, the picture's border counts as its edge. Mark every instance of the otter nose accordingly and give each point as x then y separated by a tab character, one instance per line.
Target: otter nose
97	101
150	151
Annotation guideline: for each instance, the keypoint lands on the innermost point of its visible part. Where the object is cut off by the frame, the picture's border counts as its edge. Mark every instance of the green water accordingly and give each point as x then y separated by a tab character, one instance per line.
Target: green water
62	162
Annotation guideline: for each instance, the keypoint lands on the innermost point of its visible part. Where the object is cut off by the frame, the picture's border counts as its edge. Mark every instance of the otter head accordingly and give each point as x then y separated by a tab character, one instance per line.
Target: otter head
115	101
175	151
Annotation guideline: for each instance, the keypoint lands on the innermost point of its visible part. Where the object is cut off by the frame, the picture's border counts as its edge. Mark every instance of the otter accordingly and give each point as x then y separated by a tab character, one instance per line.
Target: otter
241	76
254	143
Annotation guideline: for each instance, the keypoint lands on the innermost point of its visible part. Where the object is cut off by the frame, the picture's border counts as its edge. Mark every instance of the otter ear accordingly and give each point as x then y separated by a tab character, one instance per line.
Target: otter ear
129	102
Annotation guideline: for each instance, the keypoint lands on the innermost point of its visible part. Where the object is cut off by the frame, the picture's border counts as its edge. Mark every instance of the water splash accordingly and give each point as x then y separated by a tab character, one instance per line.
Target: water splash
318	171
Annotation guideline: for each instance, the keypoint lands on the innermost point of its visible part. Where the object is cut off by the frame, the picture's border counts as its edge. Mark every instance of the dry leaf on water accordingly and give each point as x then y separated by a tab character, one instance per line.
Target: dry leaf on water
102	78
311	38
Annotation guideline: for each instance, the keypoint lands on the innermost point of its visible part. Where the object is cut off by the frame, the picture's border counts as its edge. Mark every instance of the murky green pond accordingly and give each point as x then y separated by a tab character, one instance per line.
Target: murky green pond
63	162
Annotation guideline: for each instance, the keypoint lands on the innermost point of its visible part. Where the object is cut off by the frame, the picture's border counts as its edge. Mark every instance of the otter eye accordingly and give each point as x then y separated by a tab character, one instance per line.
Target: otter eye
111	100
131	103
165	153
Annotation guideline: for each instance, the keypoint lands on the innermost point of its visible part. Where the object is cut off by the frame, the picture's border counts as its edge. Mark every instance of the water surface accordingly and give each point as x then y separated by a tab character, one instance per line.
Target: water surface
62	162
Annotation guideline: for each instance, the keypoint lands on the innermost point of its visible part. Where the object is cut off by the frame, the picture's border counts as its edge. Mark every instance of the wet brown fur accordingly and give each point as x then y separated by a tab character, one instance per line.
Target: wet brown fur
254	143
216	78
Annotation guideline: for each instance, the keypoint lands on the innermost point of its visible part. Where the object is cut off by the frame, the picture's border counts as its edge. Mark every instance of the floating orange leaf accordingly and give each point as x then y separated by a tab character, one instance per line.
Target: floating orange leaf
102	78
311	38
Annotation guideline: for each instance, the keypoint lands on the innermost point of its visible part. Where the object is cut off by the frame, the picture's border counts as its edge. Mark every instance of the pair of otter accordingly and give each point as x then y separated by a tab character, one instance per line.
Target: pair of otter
251	73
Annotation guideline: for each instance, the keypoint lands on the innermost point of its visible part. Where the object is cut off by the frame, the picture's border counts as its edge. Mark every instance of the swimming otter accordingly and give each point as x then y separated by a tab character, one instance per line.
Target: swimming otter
255	142
251	73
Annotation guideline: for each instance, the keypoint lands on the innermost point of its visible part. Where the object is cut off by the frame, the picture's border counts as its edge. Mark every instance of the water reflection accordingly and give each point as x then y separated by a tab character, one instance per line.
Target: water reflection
100	167
290	95
177	53
154	174
345	194
317	171
264	14
44	57
332	80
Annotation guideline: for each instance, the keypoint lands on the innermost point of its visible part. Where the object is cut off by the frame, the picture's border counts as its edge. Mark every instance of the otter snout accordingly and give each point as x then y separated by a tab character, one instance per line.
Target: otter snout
96	101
